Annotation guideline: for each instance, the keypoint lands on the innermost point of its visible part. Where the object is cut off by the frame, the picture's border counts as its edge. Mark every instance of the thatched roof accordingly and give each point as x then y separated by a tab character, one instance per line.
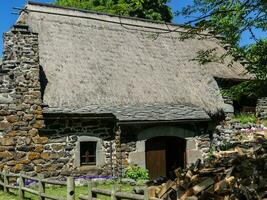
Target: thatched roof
98	59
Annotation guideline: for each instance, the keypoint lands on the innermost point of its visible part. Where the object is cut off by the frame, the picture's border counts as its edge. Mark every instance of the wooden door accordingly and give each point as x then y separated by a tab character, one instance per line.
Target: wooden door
163	155
156	157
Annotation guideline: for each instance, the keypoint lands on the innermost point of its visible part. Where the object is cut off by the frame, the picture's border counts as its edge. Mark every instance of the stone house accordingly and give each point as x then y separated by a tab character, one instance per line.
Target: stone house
91	93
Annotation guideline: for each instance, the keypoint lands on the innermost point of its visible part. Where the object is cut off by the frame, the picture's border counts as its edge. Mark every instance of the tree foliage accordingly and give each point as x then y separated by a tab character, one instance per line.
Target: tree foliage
232	19
257	66
148	9
229	18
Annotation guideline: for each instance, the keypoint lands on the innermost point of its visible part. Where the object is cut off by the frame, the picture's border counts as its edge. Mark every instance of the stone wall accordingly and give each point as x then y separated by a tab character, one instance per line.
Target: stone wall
197	148
126	149
228	106
62	148
229	133
261	108
20	101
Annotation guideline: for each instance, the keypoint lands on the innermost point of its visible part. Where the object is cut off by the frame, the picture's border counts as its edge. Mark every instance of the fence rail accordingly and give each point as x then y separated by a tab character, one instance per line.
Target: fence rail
41	182
115	194
93	192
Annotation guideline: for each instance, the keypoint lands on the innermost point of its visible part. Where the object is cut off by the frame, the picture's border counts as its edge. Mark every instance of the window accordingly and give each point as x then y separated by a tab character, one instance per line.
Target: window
88	153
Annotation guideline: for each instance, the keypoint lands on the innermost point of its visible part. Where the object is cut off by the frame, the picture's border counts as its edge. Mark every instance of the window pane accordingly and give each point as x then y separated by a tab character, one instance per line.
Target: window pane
88	153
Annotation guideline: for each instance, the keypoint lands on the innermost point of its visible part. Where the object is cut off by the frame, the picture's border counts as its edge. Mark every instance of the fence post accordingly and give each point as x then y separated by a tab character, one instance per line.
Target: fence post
90	196
113	192
6	182
41	186
94	184
70	188
21	184
146	197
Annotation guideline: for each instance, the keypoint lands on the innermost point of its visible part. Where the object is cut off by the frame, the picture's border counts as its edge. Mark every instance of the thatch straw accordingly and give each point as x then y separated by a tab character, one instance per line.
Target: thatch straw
88	61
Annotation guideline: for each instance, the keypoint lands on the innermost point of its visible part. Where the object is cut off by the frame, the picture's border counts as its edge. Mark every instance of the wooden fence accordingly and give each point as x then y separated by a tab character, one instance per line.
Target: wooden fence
21	187
93	192
115	194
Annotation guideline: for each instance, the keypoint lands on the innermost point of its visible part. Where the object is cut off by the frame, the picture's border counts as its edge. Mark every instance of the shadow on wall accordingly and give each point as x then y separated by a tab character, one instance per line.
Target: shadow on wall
43	81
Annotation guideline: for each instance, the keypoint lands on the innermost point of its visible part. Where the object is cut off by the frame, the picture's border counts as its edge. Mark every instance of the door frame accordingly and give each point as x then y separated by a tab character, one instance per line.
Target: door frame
159	150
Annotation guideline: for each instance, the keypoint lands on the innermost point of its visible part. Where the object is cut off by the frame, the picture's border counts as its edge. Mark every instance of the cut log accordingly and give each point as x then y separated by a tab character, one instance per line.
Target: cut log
221	187
203	185
239	150
152	191
187	193
194	179
191	198
188	175
206	171
166	187
230	180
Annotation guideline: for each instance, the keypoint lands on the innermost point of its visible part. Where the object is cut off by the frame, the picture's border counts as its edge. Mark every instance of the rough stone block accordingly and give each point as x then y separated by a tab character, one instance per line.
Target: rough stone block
17	168
4	125
45	156
7	141
11	163
193	156
33	155
57	147
40	140
39	124
7	148
33	132
39	148
12	134
6	155
24	162
38	161
12	118
24	148
28	117
191	144
38	168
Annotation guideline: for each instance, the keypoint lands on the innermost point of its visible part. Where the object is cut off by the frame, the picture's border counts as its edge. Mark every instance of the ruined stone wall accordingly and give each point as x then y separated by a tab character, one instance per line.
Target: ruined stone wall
20	101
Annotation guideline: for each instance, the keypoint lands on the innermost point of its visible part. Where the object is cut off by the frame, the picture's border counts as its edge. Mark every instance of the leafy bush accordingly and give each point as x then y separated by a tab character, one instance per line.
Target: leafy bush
136	173
245	118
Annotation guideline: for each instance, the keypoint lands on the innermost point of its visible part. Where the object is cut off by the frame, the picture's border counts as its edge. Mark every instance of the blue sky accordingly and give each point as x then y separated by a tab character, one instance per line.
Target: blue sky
7	19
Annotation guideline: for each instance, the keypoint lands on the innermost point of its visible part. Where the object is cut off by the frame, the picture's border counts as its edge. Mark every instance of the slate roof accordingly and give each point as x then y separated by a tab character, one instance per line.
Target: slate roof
122	64
140	113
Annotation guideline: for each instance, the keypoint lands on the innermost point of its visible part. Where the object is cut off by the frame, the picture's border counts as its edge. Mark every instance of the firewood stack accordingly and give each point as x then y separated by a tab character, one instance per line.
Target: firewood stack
239	173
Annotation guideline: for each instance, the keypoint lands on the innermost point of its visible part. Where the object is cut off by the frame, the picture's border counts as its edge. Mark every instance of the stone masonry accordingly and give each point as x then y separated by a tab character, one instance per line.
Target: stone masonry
261	108
20	102
62	148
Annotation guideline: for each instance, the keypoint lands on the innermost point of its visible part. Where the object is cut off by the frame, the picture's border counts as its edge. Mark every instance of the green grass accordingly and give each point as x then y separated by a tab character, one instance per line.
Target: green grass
60	191
245	118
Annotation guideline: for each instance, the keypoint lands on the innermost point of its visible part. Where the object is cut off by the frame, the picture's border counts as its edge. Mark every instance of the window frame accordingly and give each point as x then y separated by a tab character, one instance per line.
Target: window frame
100	151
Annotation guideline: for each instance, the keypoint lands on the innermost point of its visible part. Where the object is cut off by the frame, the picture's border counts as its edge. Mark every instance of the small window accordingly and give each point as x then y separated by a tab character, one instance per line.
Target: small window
88	153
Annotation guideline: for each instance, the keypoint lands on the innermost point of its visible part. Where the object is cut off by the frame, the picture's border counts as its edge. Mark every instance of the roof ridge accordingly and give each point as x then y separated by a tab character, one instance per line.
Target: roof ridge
102	13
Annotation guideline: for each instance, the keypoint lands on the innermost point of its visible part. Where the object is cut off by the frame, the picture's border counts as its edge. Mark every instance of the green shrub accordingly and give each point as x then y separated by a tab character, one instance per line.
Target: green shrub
245	118
136	173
